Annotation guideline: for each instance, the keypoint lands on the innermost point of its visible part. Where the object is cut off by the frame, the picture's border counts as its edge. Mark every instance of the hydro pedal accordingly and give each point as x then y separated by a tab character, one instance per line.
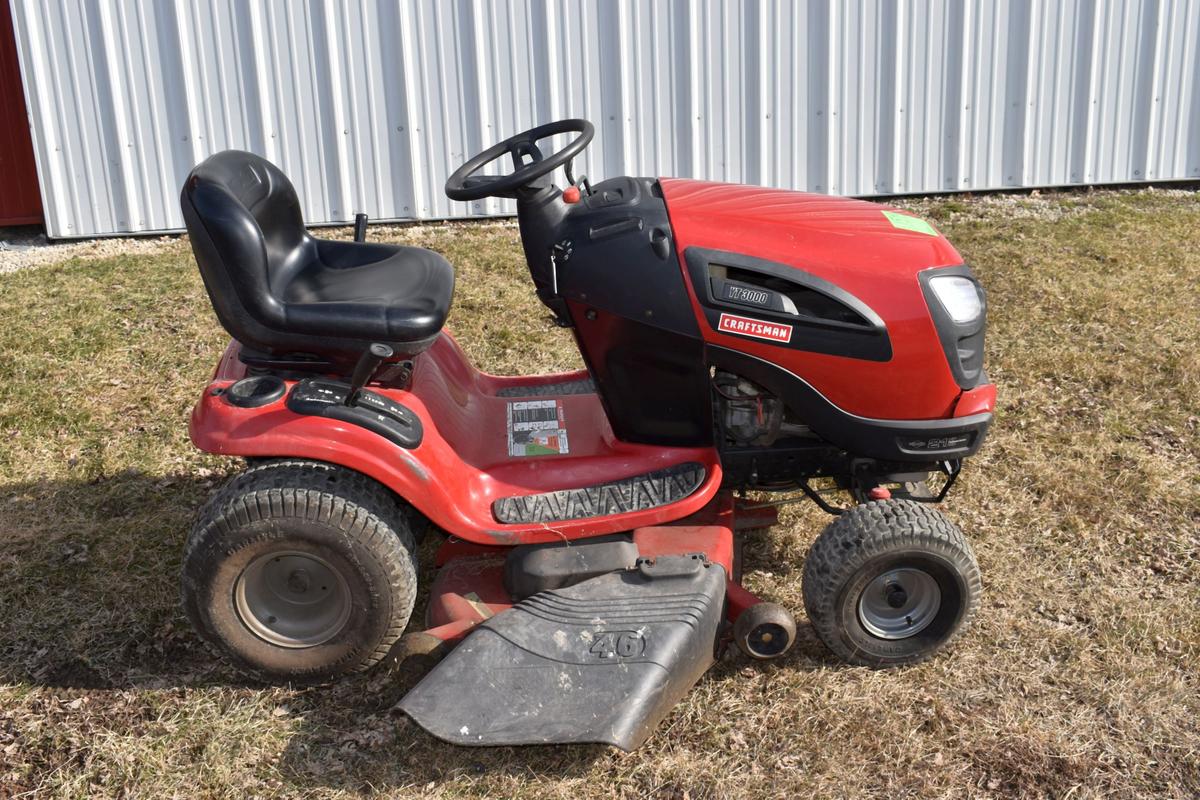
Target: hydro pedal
601	661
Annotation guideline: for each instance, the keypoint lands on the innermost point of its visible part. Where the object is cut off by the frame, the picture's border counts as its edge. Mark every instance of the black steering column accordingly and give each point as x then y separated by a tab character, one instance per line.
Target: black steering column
539	205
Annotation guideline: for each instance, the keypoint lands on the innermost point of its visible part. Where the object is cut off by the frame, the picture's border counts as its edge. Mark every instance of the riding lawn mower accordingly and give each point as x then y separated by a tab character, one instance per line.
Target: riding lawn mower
741	344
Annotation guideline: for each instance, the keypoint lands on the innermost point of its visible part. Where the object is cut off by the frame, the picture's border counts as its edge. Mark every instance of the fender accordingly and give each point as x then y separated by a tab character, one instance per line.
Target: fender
460	468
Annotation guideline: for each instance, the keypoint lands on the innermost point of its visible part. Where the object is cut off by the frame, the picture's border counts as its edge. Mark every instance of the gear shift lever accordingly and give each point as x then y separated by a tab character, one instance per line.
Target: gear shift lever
365	369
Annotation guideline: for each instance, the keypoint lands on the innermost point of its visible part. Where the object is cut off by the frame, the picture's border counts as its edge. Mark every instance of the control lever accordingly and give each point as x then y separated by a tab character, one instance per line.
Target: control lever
577	188
365	369
360	227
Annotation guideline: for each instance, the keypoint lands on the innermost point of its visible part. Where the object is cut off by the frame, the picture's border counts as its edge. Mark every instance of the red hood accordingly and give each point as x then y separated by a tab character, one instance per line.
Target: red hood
850	243
812	231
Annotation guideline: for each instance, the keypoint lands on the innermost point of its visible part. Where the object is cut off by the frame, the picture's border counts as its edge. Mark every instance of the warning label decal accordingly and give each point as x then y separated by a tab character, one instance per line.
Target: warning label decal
759	329
536	428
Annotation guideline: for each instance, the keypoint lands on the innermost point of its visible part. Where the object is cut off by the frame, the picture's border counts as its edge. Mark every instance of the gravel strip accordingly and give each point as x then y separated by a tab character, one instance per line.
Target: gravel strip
22	248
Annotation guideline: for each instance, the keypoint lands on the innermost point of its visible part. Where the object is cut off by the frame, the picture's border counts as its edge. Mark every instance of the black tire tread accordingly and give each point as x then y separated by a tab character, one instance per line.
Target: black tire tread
869	530
354	504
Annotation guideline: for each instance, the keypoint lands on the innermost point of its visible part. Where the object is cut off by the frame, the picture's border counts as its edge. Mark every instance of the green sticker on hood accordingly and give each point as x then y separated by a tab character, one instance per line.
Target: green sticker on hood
909	223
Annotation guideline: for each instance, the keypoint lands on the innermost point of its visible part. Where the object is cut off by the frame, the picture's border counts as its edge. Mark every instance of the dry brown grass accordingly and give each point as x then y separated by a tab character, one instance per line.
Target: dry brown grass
1079	678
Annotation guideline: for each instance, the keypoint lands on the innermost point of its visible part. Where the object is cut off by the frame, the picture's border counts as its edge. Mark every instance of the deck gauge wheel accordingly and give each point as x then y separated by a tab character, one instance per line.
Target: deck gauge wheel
765	631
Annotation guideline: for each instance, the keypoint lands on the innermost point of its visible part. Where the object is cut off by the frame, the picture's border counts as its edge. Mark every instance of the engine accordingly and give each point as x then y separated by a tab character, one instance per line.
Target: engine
749	415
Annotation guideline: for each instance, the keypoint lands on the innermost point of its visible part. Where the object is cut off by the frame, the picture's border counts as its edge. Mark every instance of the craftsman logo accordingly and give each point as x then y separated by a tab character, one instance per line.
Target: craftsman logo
731	323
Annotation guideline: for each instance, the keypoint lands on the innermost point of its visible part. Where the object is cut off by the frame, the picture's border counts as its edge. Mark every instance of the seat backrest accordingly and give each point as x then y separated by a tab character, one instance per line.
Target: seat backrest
244	221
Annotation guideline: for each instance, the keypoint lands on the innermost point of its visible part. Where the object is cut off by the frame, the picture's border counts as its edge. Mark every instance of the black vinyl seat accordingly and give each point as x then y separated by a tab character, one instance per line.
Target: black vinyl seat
282	292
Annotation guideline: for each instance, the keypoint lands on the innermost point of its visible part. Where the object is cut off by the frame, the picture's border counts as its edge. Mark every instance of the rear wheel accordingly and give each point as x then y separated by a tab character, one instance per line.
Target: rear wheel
301	571
890	582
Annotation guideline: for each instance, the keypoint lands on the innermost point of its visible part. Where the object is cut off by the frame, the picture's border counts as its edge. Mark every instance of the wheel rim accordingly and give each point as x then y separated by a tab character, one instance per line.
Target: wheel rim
899	603
768	640
292	599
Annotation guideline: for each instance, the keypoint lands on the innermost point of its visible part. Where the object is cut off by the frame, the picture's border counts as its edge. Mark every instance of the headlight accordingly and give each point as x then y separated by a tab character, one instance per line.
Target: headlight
958	306
959	296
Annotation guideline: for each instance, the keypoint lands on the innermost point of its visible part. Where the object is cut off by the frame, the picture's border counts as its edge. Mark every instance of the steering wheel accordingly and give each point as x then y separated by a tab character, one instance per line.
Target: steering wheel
464	184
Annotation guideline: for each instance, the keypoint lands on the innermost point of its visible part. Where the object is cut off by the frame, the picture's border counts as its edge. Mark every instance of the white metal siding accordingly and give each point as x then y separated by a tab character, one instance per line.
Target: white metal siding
368	105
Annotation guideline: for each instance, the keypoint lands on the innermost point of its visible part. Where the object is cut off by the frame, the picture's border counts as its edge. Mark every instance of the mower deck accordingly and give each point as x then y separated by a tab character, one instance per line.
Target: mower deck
601	656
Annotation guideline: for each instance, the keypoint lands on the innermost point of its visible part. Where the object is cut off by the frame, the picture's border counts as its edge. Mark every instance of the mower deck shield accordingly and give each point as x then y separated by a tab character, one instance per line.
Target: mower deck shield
601	661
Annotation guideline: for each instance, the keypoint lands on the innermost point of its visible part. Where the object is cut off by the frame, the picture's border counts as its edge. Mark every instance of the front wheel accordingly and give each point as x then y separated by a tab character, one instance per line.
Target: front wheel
301	571
890	582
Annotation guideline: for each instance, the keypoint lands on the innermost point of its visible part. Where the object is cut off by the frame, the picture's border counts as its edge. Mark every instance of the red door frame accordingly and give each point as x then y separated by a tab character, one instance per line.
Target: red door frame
21	198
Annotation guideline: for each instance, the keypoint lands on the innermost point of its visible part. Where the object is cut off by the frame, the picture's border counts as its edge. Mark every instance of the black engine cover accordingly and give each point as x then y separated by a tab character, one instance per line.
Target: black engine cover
617	268
620	256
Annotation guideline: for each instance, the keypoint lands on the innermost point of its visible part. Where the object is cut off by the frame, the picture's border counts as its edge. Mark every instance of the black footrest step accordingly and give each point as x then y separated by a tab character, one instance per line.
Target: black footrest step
637	493
581	386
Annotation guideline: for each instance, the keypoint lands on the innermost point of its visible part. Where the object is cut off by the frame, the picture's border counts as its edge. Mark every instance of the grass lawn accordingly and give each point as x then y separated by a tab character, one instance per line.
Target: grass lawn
1081	676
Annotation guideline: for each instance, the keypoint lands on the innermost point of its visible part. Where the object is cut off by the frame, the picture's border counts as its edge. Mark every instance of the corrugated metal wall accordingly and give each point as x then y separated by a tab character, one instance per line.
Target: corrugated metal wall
368	105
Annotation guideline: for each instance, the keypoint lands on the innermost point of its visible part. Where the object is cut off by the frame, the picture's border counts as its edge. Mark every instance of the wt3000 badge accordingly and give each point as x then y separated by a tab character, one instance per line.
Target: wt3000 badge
773	331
